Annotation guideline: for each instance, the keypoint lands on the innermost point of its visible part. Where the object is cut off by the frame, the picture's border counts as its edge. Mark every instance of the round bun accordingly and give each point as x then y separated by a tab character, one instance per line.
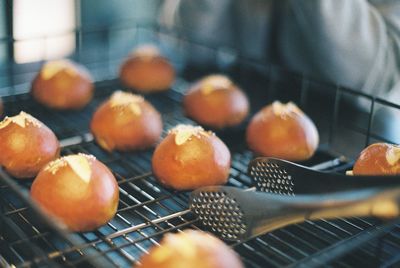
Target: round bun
378	159
63	85
126	122
26	145
190	157
146	70
78	191
282	131
195	249
216	102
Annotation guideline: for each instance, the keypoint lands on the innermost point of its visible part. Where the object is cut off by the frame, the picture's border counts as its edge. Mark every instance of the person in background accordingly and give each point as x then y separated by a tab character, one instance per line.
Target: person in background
354	43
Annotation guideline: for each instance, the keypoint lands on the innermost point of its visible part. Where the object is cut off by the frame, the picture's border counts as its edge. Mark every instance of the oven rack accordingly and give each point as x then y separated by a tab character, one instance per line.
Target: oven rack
147	210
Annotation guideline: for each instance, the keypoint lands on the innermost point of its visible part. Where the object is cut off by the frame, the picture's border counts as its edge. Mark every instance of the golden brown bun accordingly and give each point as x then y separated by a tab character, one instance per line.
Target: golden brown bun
194	249
282	131
77	190
26	145
190	157
146	70
378	159
126	122
216	102
63	85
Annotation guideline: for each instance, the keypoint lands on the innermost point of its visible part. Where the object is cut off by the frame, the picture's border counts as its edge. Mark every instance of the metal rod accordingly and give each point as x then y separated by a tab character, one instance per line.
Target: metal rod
156	221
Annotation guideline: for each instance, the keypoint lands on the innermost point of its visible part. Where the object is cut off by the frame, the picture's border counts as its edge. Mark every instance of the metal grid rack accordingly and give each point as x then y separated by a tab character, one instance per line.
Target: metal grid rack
147	210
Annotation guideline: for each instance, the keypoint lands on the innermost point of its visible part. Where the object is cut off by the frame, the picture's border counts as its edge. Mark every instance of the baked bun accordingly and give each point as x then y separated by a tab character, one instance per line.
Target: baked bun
63	85
78	191
26	145
216	102
378	159
190	157
195	249
126	122
282	131
146	70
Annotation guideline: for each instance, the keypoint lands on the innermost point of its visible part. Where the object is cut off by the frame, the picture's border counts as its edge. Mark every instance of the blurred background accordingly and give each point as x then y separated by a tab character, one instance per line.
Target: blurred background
100	34
92	32
45	29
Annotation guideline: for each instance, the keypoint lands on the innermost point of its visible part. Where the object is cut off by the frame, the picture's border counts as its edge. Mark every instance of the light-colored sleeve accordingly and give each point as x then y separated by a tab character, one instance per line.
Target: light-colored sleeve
355	43
203	22
241	25
349	42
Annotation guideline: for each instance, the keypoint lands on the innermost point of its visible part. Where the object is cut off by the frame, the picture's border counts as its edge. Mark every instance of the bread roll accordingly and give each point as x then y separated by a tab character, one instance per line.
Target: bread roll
282	131
147	71
190	157
26	145
63	85
216	102
378	159
78	191
195	249
126	122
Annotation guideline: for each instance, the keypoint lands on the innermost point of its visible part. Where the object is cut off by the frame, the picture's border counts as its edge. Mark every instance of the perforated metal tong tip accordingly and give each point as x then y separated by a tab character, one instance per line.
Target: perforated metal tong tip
236	214
283	177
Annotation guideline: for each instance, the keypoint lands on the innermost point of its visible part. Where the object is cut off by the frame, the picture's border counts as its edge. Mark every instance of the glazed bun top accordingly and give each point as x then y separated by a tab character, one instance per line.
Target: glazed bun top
52	68
125	99
80	164
183	133
215	82
146	51
22	120
283	110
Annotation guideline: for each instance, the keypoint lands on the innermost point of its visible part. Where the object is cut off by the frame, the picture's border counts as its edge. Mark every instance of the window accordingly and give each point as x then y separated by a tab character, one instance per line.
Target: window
43	29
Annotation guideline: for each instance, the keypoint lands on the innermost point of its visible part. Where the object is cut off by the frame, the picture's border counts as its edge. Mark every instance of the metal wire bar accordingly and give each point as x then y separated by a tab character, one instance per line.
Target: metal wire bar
148	210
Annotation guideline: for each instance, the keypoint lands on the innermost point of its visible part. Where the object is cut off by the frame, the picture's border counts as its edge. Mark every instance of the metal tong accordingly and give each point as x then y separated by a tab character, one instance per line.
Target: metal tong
236	214
290	193
283	177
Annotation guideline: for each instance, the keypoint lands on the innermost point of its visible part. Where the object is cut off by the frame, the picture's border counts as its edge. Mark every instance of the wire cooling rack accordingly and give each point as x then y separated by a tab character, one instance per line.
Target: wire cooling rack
147	210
